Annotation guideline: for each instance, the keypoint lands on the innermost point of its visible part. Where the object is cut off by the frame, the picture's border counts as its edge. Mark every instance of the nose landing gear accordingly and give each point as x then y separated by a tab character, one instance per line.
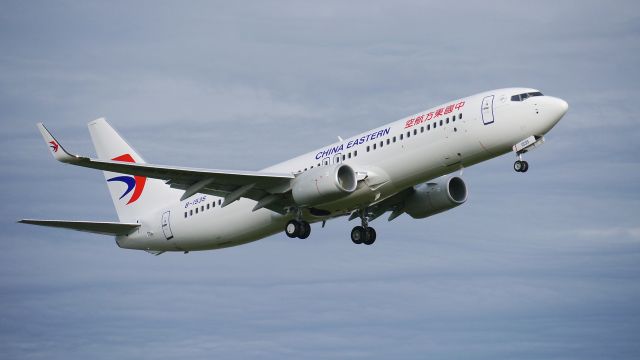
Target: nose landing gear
520	165
522	147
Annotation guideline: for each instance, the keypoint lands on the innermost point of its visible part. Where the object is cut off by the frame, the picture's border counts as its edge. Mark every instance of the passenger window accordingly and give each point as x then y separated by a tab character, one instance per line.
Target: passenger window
208	206
374	146
394	139
421	129
367	148
381	143
434	124
349	156
408	134
447	120
202	208
196	210
213	204
460	116
401	136
440	122
388	141
219	202
415	131
191	212
355	153
185	214
428	127
343	157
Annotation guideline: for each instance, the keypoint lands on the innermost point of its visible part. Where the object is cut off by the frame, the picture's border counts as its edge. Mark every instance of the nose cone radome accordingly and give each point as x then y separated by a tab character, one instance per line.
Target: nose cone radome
552	109
557	109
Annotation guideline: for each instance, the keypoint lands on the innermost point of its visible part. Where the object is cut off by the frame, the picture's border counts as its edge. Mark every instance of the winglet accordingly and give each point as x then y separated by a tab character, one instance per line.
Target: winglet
58	152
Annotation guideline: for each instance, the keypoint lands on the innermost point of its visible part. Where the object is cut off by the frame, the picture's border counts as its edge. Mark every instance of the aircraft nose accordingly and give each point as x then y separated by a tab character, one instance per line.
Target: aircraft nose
558	107
553	109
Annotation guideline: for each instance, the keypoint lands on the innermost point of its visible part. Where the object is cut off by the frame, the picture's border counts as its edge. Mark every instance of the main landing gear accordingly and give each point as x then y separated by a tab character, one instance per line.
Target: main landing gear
363	234
297	229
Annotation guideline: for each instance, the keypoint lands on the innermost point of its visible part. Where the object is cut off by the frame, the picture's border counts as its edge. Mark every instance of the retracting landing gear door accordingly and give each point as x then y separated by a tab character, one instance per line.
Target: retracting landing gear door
487	109
166	228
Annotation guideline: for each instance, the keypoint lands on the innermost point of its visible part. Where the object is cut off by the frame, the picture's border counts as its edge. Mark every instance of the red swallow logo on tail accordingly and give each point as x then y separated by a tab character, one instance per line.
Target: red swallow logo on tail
135	183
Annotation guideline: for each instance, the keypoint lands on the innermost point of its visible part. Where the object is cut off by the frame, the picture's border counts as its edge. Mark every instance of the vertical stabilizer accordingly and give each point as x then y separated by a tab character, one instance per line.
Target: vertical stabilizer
133	196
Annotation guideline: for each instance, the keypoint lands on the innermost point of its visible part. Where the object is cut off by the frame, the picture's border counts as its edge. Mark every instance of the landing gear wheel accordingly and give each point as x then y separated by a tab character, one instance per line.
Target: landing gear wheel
358	235
518	166
525	166
371	236
293	228
305	230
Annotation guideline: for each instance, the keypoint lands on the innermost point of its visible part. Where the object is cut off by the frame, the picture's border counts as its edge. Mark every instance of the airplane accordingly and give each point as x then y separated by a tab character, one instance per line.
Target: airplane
406	166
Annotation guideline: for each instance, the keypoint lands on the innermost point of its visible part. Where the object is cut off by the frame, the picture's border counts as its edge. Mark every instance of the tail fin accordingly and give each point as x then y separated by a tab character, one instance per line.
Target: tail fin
133	196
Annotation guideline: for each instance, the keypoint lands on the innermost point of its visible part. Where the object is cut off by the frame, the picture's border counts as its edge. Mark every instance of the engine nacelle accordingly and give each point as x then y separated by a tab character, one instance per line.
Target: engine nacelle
435	197
323	184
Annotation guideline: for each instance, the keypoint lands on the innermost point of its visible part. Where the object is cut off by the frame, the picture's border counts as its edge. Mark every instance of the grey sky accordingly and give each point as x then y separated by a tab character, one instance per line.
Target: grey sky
537	266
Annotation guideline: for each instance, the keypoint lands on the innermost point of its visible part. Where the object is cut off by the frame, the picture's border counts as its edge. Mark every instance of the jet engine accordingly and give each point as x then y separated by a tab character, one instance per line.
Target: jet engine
323	184
434	197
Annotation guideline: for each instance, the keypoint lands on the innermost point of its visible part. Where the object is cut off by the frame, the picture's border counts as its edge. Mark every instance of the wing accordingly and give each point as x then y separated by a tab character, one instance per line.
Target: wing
96	227
394	203
268	189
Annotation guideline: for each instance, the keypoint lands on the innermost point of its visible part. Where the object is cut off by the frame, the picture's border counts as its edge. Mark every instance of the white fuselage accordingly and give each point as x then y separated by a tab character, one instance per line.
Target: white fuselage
394	157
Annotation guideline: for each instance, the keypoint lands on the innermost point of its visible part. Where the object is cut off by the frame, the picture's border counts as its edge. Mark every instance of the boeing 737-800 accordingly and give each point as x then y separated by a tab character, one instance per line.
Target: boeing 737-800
401	167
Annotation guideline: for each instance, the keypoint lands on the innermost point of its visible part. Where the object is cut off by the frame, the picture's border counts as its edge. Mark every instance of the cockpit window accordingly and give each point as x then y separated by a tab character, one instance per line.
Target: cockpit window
522	97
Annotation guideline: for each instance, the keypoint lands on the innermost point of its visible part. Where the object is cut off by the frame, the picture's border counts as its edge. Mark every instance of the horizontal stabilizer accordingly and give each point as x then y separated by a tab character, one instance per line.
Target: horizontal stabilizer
96	227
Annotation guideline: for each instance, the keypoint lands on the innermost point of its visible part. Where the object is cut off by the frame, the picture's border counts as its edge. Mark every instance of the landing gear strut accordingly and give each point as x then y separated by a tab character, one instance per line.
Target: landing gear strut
297	229
363	234
522	147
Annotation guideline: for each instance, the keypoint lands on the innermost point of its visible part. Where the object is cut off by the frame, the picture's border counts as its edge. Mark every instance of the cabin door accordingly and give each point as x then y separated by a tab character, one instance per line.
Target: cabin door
166	227
487	109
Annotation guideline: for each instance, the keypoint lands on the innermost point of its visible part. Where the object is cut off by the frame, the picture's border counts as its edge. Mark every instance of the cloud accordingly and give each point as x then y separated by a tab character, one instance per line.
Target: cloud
632	233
